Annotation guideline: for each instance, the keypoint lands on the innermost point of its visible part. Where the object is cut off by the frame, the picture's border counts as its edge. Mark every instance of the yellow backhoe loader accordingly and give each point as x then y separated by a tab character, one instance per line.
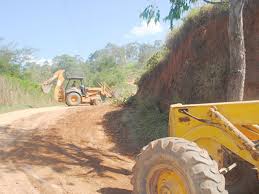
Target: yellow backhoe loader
75	93
211	149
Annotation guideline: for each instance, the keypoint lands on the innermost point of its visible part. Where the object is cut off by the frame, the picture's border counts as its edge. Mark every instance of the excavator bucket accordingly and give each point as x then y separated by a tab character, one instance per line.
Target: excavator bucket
46	88
59	91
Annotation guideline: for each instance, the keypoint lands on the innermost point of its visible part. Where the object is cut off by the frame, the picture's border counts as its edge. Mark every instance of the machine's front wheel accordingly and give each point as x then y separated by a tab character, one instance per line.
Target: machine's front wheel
96	101
73	99
176	166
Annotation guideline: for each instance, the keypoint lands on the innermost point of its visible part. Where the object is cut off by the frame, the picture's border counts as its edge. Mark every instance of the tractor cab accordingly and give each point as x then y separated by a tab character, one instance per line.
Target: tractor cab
75	84
75	92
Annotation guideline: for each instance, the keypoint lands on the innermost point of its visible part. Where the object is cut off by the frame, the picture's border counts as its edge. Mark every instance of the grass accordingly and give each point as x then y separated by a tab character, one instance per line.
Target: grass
16	94
123	92
127	87
194	19
157	59
145	121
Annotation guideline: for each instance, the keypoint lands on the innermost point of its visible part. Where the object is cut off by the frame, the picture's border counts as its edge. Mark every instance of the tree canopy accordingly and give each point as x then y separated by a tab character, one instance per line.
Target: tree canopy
177	8
110	64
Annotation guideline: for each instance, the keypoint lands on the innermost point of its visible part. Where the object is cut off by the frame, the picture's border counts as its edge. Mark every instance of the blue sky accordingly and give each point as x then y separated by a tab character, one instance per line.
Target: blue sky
76	27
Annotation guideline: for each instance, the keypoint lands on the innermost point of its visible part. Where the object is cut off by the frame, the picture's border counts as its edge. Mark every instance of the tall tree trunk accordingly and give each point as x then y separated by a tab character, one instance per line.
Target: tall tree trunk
236	79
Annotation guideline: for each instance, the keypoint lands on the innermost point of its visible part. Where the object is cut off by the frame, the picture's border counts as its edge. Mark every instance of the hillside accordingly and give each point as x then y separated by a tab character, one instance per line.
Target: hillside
196	68
16	93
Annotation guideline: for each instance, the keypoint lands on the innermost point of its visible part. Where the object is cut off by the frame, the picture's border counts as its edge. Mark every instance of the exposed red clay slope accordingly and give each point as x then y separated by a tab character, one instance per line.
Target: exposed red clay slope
196	69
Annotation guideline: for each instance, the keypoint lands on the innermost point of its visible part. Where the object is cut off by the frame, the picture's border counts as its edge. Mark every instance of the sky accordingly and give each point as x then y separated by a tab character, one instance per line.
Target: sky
77	27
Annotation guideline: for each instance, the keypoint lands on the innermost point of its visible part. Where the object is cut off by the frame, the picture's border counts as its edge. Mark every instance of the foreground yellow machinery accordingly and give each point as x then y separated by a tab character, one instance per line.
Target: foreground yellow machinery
211	149
75	94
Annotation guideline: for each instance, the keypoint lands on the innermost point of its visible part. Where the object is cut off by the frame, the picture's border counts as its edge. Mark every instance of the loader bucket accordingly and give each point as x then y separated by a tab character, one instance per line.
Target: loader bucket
46	88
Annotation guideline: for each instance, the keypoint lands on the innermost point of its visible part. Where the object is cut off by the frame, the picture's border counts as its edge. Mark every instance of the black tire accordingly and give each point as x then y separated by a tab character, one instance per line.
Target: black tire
242	179
103	98
73	99
199	172
91	102
96	101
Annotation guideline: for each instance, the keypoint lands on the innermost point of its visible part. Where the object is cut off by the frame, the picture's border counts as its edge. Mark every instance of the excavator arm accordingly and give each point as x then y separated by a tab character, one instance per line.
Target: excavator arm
59	89
59	92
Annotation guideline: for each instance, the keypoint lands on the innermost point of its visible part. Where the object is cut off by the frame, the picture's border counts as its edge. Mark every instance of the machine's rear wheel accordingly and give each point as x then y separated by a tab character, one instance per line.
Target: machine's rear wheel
73	99
176	166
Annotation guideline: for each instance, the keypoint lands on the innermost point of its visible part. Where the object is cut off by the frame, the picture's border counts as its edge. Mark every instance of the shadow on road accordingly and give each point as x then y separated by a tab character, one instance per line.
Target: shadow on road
52	151
114	123
110	190
73	149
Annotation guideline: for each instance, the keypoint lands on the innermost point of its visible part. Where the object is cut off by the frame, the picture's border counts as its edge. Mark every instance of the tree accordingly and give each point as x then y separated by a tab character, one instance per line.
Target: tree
132	51
237	67
117	52
72	64
12	59
146	51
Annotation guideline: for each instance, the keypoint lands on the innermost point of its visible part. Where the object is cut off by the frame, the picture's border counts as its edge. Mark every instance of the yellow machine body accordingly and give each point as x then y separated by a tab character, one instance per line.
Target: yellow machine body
235	129
93	93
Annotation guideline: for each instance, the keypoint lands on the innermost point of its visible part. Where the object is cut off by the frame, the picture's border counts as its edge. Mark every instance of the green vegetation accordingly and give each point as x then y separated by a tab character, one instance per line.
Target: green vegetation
159	57
118	66
16	93
145	121
177	10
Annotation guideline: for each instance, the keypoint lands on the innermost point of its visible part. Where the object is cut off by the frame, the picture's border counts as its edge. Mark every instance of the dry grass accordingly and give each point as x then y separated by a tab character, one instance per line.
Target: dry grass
16	94
195	18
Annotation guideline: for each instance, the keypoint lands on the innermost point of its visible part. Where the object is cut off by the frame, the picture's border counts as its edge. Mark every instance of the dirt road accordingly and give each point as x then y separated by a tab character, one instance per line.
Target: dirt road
62	150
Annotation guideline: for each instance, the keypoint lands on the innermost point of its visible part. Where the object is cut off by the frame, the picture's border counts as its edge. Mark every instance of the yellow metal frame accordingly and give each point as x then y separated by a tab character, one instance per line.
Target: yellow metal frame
165	178
209	132
59	92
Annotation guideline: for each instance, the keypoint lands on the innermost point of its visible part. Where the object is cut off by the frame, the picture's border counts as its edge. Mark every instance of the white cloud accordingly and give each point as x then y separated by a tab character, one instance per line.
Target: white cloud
145	29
